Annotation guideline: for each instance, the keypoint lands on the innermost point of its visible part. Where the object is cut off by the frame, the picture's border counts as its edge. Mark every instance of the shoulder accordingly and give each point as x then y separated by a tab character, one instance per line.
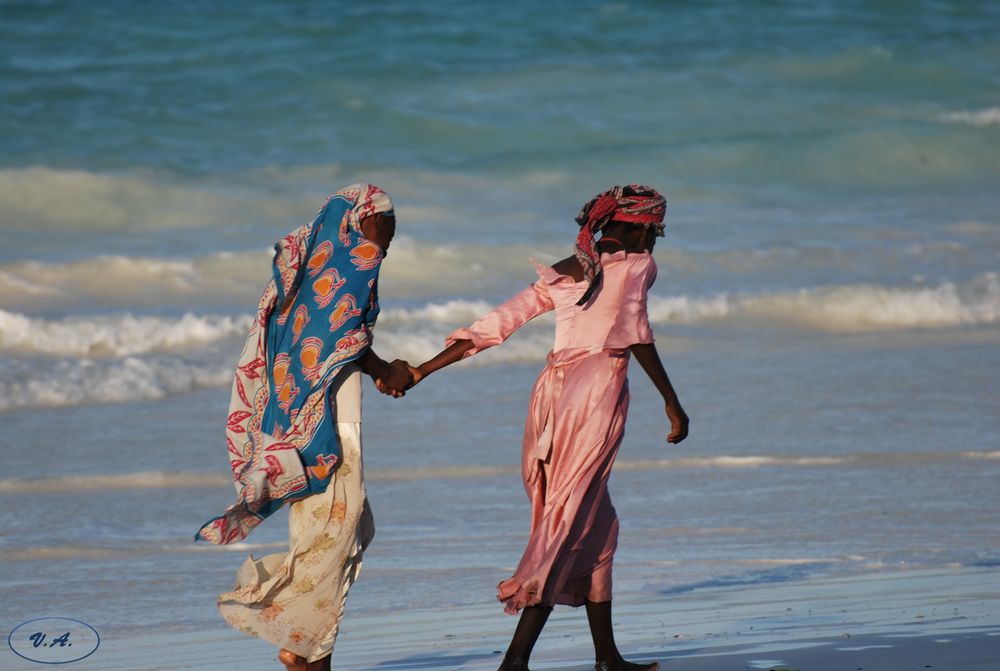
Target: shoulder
642	263
636	269
630	262
569	267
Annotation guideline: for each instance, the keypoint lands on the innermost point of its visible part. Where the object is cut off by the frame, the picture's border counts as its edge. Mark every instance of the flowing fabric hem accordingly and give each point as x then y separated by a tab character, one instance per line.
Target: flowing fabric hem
514	596
261	581
232	526
252	596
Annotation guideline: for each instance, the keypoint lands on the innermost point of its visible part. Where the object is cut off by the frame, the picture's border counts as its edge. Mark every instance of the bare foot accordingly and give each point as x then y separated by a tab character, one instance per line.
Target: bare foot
513	665
622	665
292	661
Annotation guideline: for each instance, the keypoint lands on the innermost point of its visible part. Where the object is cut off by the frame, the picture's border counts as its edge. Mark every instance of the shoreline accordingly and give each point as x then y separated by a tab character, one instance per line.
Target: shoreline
938	619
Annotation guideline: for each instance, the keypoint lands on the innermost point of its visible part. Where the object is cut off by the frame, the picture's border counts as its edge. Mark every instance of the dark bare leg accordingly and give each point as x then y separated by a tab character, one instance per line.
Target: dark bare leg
528	628
320	664
605	650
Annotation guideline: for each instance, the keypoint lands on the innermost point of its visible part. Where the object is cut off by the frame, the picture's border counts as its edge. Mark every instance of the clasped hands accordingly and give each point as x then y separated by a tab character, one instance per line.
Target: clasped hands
398	377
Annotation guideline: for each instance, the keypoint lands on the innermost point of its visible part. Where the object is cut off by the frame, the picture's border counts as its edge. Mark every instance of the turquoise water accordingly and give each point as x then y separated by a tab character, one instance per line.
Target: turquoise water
155	119
828	299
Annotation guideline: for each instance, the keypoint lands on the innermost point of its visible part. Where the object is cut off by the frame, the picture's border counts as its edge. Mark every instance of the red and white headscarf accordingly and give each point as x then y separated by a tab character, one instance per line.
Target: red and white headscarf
634	203
369	199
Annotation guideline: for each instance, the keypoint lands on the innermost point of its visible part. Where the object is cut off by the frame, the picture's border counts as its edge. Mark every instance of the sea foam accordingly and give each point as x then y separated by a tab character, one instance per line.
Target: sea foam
113	335
980	118
121	357
846	308
85	381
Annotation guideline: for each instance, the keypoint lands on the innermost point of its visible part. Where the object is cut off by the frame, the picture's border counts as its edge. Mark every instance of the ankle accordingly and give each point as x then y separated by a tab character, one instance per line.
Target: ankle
608	660
620	664
513	664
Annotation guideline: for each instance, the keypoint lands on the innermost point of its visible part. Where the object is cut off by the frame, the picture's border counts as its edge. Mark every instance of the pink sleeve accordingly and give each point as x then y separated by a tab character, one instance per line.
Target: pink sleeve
497	325
632	323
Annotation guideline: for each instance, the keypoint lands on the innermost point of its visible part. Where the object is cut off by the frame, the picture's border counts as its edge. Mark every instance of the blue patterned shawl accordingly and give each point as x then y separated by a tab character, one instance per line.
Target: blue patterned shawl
316	314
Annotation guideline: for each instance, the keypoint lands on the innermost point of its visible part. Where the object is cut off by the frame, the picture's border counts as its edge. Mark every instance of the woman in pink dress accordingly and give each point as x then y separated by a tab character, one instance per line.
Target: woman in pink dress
576	415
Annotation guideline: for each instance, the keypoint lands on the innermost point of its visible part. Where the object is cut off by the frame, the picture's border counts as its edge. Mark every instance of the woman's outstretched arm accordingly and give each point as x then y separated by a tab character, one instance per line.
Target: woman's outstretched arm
649	359
489	330
449	355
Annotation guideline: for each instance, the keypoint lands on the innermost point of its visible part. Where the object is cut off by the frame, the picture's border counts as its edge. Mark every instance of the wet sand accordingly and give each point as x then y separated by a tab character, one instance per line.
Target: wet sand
939	620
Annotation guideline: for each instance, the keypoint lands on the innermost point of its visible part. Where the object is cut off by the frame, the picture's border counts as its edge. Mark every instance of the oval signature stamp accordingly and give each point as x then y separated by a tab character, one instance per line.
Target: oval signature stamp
54	640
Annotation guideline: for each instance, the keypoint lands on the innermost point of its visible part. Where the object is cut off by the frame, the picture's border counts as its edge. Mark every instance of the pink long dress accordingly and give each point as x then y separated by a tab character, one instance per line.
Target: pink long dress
575	425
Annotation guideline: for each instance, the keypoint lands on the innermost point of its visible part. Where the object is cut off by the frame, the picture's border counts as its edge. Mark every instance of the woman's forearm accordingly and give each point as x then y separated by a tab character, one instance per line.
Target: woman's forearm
374	365
449	355
649	359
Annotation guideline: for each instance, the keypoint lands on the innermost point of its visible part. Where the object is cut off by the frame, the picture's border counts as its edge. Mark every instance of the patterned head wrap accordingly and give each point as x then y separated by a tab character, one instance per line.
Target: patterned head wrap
634	203
317	314
368	199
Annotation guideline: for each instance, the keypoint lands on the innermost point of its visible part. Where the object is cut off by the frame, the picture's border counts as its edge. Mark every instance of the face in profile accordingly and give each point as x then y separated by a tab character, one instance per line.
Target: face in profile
380	229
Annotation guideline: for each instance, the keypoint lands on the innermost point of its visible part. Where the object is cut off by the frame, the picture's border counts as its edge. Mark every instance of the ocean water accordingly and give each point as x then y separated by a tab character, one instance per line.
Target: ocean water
828	301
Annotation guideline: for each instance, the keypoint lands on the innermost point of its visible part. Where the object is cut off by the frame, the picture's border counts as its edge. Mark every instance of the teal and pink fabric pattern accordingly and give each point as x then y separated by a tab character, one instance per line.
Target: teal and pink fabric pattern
317	313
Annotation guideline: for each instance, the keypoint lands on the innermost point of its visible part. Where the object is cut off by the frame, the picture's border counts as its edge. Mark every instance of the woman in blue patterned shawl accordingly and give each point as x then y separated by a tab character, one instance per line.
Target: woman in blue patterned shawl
293	430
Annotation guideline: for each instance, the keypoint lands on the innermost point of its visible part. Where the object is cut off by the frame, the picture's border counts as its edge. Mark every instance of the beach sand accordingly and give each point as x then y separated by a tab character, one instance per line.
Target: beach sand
933	619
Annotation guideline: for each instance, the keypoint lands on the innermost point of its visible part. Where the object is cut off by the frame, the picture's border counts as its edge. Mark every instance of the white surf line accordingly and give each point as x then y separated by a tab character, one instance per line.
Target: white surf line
179	480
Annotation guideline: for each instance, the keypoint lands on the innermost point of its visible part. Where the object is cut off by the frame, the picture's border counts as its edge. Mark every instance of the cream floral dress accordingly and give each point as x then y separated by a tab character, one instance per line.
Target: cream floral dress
295	600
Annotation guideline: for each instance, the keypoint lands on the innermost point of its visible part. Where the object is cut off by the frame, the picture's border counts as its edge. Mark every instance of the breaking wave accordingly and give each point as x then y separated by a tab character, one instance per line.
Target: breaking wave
82	381
113	335
981	118
122	357
847	308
